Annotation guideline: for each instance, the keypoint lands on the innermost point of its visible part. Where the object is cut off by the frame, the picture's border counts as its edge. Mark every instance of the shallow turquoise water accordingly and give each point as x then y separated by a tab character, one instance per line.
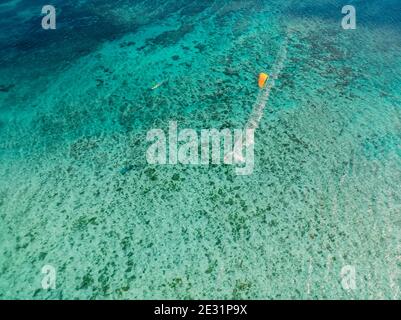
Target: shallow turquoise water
76	191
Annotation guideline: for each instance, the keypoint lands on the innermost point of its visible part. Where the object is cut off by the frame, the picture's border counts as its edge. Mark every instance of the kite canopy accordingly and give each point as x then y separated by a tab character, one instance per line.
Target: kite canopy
263	77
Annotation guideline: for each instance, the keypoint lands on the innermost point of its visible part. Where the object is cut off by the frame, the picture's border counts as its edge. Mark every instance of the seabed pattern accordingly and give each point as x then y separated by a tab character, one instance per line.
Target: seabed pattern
77	193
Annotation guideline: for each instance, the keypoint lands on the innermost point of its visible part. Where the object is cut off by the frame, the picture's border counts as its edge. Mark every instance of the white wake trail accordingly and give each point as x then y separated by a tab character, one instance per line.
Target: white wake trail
261	102
263	97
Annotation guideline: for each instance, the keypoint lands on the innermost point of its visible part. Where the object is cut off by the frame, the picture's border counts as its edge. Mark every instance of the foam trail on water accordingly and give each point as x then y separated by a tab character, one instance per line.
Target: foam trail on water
261	102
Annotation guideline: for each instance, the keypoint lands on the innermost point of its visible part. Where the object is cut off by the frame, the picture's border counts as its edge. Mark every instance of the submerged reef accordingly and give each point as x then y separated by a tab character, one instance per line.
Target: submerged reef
78	194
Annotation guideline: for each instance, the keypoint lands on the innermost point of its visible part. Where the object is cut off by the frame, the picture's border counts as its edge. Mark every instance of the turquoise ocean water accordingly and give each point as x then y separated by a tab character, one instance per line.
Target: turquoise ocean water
77	193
